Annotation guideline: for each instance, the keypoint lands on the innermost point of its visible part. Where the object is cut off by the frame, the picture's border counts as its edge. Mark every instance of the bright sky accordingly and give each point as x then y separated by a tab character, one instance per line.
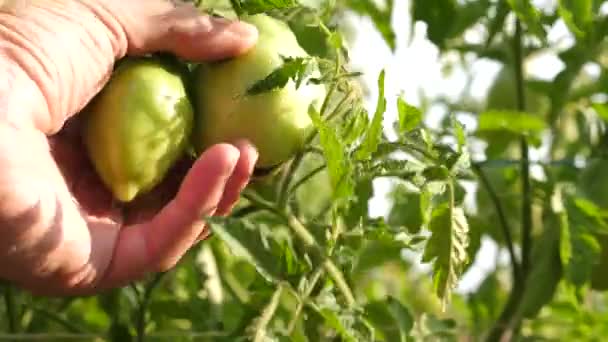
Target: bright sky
415	67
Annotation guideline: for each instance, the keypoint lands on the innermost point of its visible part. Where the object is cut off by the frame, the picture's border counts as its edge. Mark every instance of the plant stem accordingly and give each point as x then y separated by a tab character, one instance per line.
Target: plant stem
9	300
145	301
311	285
286	180
504	224
306	178
267	314
525	157
505	327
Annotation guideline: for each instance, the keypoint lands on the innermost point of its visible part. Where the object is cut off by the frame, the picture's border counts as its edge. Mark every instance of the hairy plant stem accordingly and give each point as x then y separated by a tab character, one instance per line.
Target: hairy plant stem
509	320
267	314
304	297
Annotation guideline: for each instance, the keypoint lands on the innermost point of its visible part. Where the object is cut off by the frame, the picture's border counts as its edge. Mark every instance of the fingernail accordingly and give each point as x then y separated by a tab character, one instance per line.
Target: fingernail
244	144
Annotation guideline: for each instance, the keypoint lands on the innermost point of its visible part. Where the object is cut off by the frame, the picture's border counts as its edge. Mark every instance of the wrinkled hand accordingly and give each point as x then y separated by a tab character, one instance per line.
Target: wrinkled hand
60	231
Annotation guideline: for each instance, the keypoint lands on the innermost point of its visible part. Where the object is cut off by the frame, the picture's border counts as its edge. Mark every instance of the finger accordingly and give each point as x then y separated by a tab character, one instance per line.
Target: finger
237	182
186	32
240	178
160	243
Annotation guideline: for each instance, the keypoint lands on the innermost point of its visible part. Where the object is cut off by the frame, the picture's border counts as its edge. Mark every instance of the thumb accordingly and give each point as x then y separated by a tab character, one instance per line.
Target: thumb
180	28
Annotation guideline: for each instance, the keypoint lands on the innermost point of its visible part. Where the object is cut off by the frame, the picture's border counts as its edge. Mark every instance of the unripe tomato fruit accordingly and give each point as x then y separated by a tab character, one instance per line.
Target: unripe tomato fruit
275	122
138	126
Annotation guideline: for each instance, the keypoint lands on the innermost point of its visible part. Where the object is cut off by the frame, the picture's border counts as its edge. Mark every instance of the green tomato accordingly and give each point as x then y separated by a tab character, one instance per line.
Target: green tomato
276	122
138	126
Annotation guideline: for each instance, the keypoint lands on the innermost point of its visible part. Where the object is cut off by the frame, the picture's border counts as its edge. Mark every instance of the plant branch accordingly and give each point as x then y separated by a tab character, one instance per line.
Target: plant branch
311	285
505	327
306	178
267	314
333	271
525	157
143	307
504	224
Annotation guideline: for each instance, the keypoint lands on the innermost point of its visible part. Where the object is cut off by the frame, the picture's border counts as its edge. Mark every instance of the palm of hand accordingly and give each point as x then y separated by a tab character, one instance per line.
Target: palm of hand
62	232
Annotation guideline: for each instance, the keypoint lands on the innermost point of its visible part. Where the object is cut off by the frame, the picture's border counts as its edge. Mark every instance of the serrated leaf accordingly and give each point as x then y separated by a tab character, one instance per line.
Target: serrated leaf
373	135
355	126
447	249
528	14
261	6
577	15
579	248
391	318
247	242
339	168
409	116
296	69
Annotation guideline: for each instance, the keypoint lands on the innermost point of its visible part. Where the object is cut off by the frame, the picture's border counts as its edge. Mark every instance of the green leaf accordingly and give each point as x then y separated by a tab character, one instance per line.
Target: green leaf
545	274
340	170
518	123
439	16
460	134
529	15
577	14
447	249
296	69
579	248
409	116
498	21
253	244
373	135
355	126
391	318
602	110
261	6
376	253
406	210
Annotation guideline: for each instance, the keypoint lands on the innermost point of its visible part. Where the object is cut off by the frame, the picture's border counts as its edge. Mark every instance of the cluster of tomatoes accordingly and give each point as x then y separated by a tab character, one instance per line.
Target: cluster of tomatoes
152	112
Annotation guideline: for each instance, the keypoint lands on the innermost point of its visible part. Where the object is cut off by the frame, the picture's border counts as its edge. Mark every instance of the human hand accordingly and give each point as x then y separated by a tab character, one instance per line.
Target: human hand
61	233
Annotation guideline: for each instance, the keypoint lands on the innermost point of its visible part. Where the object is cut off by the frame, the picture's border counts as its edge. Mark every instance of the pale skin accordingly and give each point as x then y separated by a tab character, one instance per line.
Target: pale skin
61	233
